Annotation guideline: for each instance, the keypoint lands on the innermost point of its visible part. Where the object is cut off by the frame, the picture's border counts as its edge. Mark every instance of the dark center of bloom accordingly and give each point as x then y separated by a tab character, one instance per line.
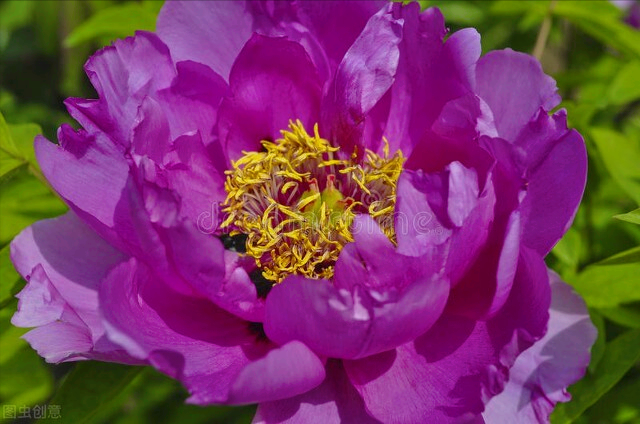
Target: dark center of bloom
295	201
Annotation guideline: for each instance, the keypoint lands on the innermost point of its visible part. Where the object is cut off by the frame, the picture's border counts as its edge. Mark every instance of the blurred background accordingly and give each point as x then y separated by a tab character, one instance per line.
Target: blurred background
591	48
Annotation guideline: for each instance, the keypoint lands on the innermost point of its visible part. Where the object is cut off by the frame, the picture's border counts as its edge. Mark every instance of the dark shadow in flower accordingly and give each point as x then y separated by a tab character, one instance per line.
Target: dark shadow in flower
263	285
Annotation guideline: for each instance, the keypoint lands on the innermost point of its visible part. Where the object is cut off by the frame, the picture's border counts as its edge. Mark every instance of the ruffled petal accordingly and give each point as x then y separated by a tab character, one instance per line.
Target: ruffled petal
333	402
555	168
354	323
365	74
515	87
211	351
61	297
541	374
272	82
123	74
337	23
428	69
212	36
448	374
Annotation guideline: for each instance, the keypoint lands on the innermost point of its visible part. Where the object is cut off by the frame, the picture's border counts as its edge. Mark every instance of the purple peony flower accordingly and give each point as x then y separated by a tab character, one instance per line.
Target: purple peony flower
321	207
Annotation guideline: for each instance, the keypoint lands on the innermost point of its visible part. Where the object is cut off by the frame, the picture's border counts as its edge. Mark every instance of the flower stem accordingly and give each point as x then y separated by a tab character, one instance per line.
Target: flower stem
543	34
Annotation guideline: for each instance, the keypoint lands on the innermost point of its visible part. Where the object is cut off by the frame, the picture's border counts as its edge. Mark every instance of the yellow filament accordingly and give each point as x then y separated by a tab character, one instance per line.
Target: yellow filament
291	230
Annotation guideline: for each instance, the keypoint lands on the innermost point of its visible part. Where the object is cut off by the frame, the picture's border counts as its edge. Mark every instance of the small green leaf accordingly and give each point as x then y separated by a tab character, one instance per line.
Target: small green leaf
16	148
597	350
89	388
609	285
633	216
626	257
619	356
114	22
625	315
625	88
10	281
24	200
621	156
25	378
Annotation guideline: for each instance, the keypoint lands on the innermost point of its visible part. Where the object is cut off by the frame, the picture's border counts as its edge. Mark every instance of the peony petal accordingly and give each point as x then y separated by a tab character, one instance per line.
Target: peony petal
342	323
192	101
209	35
61	296
272	82
362	78
365	262
541	374
123	74
428	69
556	174
515	87
447	374
284	372
211	351
333	402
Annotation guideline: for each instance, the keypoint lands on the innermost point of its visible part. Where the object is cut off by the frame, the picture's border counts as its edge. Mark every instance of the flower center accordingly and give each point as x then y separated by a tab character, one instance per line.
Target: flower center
295	201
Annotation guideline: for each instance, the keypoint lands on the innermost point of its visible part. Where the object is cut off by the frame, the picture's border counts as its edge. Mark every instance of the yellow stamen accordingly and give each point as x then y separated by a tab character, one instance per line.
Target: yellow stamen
296	201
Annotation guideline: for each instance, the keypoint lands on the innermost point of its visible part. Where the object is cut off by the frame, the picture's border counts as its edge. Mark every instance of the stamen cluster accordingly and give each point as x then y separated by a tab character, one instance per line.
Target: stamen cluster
296	200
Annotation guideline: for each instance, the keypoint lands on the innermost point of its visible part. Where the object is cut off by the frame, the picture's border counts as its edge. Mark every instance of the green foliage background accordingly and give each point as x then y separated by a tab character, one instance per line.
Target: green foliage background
592	53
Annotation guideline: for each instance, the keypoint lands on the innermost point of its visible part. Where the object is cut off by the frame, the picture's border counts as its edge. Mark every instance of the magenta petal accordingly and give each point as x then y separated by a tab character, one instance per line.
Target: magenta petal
363	77
61	295
515	87
366	261
192	101
556	163
342	323
185	337
206	270
337	23
541	374
333	402
272	82
447	374
286	371
123	74
194	30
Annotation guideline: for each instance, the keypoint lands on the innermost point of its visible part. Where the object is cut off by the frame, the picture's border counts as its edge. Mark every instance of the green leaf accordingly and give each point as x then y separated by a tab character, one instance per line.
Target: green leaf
621	156
625	315
10	281
625	87
633	216
16	148
619	356
601	20
626	257
609	285
568	248
91	387
25	378
24	200
114	22
597	350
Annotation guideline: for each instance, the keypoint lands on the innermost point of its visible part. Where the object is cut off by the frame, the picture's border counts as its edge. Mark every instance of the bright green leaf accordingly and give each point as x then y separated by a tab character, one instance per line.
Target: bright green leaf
621	156
10	280
89	388
25	378
633	216
626	257
24	200
114	22
625	87
626	315
619	356
16	148
602	20
609	285
597	350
